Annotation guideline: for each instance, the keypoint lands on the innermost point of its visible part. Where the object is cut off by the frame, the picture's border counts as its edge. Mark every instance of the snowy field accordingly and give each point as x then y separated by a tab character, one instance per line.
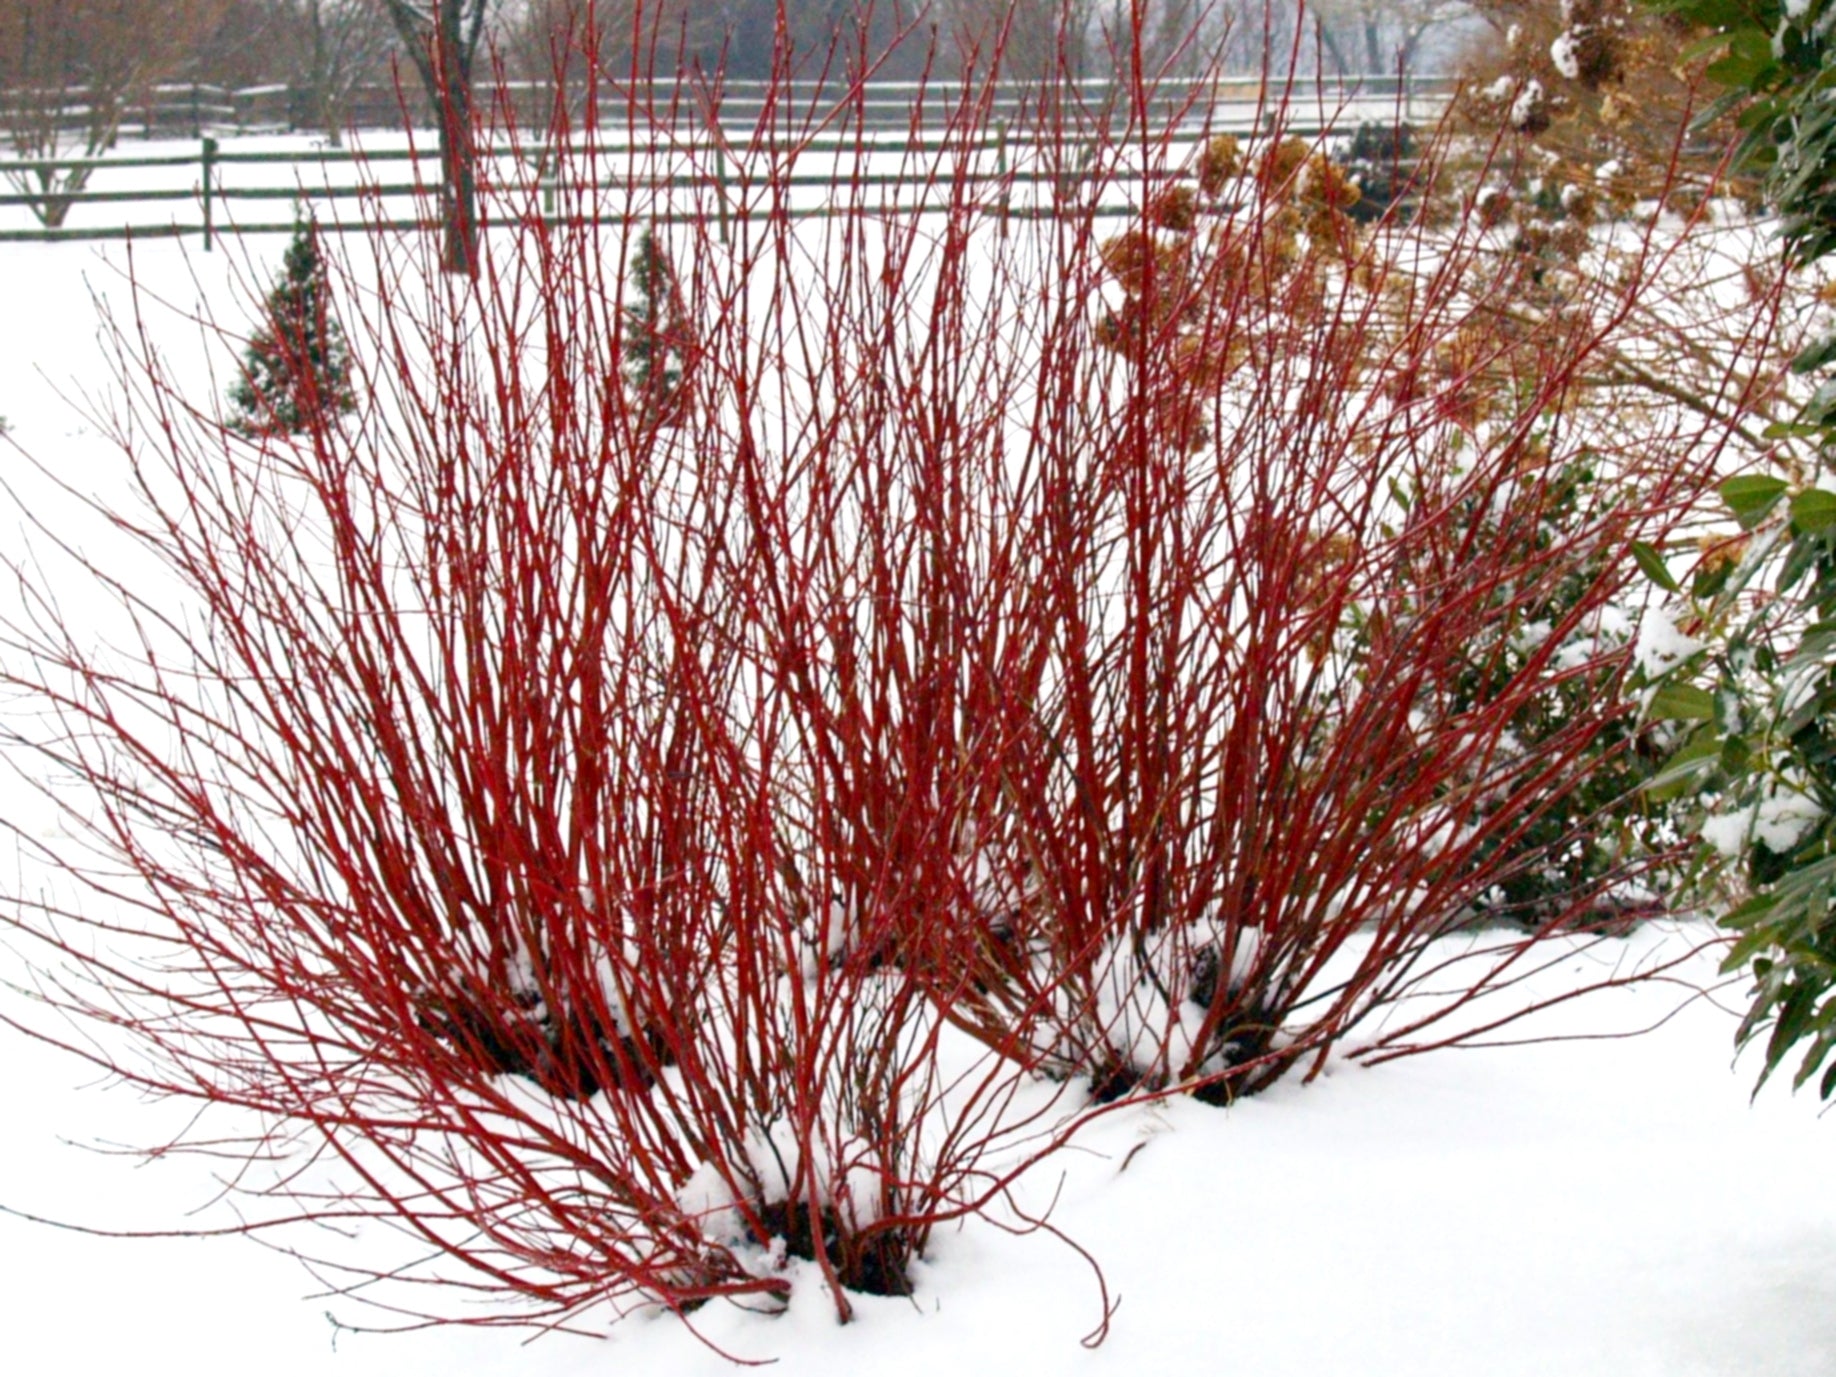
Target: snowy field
1588	1206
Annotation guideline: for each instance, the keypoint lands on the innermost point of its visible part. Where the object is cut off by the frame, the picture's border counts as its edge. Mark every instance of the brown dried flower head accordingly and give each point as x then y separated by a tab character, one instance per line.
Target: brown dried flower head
1493	206
1283	166
1219	162
1143	264
1175	208
1720	552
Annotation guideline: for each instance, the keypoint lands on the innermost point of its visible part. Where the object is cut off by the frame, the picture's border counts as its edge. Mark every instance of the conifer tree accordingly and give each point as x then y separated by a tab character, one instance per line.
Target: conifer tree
297	368
655	343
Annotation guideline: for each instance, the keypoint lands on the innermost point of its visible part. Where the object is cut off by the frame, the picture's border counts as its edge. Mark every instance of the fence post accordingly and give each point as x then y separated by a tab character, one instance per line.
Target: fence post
1006	197
720	180
209	160
549	170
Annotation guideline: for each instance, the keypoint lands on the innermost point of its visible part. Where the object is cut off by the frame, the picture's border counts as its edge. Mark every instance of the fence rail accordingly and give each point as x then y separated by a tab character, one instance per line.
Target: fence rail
194	110
397	187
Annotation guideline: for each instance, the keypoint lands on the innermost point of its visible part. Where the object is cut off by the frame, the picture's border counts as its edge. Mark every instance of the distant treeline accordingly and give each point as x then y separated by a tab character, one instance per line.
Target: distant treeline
335	63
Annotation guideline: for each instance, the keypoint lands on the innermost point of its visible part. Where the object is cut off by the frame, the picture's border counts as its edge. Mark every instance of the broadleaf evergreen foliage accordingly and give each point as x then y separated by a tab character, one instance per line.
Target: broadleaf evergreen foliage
297	367
1383	160
1773	58
1577	855
1758	698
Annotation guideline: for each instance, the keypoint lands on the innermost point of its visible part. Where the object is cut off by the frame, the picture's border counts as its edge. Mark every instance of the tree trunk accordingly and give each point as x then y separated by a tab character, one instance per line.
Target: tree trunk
458	160
324	100
441	49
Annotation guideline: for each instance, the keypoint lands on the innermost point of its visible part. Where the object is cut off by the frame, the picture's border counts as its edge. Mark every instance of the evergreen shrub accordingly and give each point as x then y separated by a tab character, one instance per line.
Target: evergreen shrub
296	370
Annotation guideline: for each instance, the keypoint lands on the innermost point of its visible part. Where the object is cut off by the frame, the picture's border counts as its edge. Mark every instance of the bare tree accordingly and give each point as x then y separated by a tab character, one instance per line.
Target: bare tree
442	38
1034	37
1359	37
324	50
638	36
1374	37
547	37
241	49
1164	37
333	46
70	70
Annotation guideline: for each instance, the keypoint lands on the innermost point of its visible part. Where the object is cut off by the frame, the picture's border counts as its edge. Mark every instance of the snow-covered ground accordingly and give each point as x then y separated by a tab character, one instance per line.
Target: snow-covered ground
1581	1207
1589	1207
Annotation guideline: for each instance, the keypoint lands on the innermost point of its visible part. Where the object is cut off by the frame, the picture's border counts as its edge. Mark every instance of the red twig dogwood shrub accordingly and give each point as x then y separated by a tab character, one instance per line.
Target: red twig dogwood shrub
1197	661
1040	613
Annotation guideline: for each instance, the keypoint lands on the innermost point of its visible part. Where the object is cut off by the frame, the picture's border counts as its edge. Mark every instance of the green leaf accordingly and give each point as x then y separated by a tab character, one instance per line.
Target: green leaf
1702	47
1684	702
1736	754
1812	510
1818	641
1748	62
1714	14
1814	1058
1793	1021
1687	770
1652	563
1711	577
1791	430
1818	355
1720	108
1751	496
1822	404
1800	559
1743	950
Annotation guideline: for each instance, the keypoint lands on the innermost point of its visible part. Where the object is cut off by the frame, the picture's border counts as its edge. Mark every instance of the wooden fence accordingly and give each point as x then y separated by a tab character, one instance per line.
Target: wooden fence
195	110
682	151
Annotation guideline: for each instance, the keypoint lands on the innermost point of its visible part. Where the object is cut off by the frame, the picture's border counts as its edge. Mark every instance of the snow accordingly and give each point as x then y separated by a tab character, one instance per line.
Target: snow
1780	820
1500	88
1597	1209
1728	832
1607	630
1660	645
1144	996
1528	105
1591	1208
1564	52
